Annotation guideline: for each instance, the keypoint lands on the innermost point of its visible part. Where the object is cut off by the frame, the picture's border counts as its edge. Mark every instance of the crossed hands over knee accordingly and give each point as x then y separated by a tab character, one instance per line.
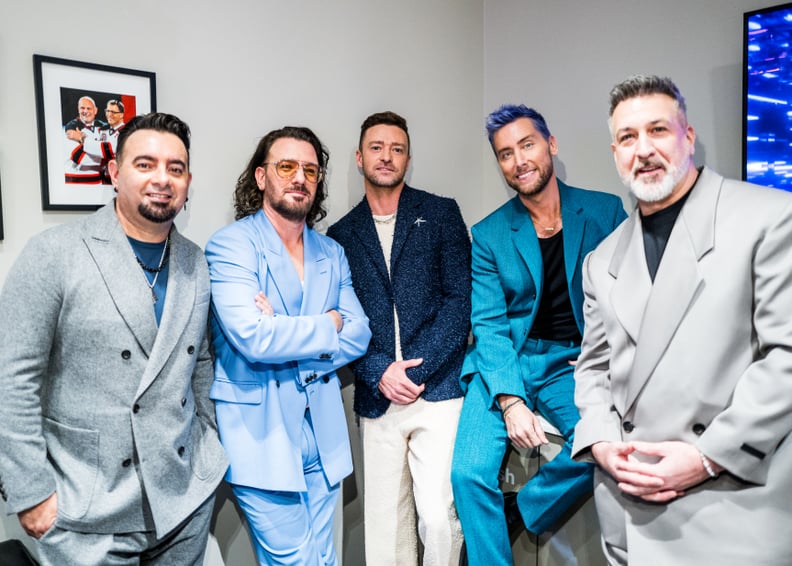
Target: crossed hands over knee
653	471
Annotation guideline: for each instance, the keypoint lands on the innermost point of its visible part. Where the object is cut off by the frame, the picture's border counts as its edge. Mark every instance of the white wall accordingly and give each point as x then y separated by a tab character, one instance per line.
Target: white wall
563	57
235	70
443	64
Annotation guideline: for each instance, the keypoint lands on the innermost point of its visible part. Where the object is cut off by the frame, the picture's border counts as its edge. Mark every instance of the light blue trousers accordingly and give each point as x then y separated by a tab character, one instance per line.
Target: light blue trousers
293	528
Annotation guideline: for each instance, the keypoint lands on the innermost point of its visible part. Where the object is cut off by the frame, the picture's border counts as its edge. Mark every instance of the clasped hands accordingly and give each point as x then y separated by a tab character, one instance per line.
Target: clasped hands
654	471
263	304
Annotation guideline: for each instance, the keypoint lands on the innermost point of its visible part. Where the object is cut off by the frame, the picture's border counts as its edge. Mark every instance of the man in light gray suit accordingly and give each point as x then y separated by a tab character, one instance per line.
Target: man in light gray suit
684	382
108	446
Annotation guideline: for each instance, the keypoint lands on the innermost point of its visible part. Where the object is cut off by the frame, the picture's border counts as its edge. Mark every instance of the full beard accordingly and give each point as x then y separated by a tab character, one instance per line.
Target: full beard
654	191
294	211
157	213
538	186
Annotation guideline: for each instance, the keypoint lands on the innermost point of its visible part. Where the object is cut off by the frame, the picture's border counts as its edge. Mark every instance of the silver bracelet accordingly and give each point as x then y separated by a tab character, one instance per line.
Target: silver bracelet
707	465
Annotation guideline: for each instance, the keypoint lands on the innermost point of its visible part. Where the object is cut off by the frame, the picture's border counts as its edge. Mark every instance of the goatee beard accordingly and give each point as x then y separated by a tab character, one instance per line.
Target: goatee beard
156	213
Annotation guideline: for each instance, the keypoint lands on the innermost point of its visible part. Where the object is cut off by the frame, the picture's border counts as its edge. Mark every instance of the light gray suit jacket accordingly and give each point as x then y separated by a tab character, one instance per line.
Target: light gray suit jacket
703	355
98	403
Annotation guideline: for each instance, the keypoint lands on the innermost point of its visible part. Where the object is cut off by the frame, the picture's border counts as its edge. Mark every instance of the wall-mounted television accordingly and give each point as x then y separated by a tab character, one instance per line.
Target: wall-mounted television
767	97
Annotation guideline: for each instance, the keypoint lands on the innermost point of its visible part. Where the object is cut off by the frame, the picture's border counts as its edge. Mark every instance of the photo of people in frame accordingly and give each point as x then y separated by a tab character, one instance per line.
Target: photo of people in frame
91	123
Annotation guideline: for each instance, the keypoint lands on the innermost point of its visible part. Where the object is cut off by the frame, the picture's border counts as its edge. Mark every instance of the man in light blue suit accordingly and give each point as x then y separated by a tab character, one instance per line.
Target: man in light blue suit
527	323
284	318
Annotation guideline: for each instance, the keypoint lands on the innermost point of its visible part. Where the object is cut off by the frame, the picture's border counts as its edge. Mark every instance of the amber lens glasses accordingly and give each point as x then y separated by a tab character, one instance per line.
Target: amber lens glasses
287	168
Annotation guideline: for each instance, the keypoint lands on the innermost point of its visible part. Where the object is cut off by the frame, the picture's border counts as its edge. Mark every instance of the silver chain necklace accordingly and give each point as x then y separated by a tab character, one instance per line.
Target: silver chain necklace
156	271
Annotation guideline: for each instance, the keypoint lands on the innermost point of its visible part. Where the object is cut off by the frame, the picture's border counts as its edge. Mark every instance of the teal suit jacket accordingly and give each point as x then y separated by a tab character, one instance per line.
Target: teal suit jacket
508	275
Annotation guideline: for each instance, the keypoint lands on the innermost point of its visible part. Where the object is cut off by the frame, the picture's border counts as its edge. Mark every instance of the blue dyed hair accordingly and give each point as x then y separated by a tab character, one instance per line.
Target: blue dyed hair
508	113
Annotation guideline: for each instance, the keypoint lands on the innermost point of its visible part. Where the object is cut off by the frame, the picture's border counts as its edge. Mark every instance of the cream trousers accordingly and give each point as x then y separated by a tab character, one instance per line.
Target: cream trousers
407	467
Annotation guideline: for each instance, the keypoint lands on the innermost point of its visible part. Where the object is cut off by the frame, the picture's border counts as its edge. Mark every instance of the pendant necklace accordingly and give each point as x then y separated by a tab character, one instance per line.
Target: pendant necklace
550	228
155	270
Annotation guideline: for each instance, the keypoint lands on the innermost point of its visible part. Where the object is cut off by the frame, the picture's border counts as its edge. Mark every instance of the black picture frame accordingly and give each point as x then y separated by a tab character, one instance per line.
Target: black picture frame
73	173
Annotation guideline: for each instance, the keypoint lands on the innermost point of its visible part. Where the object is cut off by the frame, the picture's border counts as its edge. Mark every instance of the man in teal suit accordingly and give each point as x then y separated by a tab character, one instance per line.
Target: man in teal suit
278	398
527	323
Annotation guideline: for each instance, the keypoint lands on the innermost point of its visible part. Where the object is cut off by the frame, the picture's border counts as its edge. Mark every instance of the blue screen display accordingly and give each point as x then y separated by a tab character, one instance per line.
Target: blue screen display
768	97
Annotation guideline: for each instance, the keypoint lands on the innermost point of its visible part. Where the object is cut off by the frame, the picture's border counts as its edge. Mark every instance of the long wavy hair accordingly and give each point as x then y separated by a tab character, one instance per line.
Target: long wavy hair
248	198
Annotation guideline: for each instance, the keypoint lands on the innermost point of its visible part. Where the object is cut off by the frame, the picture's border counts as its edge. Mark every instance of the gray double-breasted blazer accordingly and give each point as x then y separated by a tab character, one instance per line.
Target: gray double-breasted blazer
704	356
98	403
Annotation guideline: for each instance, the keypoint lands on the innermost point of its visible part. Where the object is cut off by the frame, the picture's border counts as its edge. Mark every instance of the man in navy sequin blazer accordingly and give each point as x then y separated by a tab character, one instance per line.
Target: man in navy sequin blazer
409	253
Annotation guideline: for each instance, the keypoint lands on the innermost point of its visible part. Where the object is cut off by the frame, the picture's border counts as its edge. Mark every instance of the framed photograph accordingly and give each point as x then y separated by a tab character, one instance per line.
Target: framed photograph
80	108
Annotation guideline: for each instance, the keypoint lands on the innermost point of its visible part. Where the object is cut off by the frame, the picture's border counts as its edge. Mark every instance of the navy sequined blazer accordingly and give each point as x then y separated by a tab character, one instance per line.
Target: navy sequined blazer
430	285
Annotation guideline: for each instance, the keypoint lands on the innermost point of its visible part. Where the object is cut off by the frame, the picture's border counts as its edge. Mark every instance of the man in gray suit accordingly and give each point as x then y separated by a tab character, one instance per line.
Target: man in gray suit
683	382
107	435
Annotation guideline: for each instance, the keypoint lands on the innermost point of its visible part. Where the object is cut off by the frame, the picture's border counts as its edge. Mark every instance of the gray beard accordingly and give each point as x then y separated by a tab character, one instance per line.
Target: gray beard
655	192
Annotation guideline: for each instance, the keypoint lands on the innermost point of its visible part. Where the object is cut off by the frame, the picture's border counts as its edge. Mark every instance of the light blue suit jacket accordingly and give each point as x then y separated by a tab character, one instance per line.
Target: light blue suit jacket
269	369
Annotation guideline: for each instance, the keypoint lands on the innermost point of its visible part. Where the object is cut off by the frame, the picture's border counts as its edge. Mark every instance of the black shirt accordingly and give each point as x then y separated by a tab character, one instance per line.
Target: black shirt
555	319
656	231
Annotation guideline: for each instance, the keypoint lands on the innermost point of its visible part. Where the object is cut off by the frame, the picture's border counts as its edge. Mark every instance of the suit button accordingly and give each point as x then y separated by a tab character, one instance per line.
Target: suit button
277	383
628	426
126	463
324	356
184	401
698	429
326	379
191	349
181	451
136	408
126	354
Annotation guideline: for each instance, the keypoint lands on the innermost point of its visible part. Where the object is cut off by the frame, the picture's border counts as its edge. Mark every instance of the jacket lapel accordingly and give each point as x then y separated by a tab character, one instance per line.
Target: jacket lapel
318	271
179	305
632	286
573	223
281	269
123	278
405	221
677	281
526	242
363	227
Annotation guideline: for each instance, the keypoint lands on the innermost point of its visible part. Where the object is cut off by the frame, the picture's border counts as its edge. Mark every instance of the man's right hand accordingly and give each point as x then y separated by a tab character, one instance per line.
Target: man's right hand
38	519
522	425
395	384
